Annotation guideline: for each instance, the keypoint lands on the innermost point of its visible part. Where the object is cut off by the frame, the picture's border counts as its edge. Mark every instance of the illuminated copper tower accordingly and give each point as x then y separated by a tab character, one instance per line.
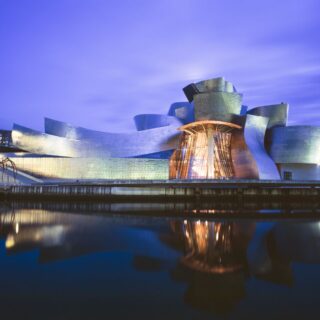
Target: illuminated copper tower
204	151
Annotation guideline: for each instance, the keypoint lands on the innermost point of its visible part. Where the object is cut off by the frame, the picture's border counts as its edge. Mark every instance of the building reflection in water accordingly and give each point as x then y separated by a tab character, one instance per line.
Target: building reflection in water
214	262
64	235
285	243
214	258
215	247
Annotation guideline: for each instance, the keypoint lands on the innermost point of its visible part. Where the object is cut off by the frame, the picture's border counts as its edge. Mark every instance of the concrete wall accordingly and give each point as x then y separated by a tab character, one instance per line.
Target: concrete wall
93	168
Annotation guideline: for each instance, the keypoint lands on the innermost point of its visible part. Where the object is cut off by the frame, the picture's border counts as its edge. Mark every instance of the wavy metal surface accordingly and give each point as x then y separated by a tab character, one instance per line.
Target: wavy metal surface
118	144
277	114
217	106
183	111
216	84
295	144
244	165
151	121
41	143
211	85
254	132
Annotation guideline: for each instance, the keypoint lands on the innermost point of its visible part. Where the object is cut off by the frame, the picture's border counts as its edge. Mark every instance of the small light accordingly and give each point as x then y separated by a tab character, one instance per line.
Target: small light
17	228
10	242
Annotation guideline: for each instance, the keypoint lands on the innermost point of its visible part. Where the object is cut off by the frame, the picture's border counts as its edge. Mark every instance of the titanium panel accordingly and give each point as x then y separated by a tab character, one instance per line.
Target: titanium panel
157	155
254	132
277	114
245	166
183	111
190	90
244	110
41	143
118	144
211	85
295	144
216	84
151	121
217	106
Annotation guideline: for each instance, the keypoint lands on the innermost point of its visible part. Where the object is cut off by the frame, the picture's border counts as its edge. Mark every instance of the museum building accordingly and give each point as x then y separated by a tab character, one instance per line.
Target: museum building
210	136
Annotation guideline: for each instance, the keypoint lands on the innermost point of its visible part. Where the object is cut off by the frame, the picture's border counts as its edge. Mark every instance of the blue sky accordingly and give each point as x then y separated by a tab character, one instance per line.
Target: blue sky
97	63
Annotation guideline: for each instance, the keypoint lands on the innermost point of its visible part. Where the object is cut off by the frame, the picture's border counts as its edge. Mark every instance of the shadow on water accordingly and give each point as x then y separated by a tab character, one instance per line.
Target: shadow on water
200	265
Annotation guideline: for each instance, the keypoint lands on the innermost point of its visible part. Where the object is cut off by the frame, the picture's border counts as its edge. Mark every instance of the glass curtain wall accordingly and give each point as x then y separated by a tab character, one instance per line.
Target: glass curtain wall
204	151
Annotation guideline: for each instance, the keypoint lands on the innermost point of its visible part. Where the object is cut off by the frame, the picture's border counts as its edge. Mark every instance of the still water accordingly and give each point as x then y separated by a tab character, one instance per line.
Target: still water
85	264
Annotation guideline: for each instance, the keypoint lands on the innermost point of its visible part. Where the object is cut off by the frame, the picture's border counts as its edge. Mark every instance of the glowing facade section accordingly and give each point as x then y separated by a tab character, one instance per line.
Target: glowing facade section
204	151
94	168
215	247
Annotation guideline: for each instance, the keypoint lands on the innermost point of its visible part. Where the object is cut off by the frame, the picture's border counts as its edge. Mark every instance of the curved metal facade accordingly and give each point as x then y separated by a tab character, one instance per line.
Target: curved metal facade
119	144
151	121
265	148
277	114
217	106
214	99
245	166
183	111
254	133
216	84
41	143
295	144
211	85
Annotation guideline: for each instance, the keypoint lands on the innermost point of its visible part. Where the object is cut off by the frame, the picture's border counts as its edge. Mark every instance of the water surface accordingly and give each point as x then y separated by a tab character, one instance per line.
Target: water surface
87	264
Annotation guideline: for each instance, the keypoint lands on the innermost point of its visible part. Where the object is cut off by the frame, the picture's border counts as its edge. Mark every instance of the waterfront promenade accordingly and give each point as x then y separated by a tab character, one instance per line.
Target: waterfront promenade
168	189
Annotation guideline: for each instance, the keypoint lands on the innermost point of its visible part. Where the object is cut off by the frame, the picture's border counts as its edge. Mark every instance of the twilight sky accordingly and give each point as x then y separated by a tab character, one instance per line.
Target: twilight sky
97	63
